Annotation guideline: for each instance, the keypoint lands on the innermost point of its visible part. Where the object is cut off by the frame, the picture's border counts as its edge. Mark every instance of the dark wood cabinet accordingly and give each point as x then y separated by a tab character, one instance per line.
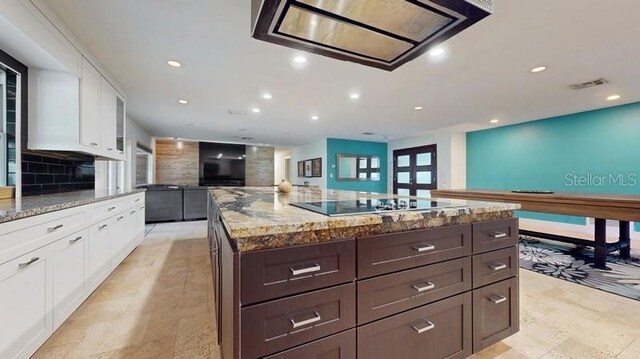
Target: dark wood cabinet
494	266
339	346
495	313
281	324
392	252
434	331
386	295
444	292
276	273
492	235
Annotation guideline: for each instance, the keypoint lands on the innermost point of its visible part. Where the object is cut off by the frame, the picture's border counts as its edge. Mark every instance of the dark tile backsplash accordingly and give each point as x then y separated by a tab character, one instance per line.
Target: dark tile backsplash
48	175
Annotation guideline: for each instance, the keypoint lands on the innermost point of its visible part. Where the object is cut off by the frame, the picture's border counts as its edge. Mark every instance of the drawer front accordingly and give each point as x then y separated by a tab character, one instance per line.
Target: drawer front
280	272
282	324
397	251
393	293
489	236
438	330
495	266
111	208
339	346
495	313
36	234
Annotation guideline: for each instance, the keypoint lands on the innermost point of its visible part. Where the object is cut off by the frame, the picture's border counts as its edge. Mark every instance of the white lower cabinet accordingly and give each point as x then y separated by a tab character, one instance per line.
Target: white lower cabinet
41	289
99	253
25	310
69	266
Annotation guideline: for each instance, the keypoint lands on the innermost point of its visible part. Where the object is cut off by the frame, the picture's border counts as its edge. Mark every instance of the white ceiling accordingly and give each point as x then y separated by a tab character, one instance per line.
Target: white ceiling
484	75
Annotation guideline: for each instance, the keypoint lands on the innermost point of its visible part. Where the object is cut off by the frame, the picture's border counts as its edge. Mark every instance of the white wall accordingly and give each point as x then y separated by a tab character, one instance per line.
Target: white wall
317	149
452	157
279	172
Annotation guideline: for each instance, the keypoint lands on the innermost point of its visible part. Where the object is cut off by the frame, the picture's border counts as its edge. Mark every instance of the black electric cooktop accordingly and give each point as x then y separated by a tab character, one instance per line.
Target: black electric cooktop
335	208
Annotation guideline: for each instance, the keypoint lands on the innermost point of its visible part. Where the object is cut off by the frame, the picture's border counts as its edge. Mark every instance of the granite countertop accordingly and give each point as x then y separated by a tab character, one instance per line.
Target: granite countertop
13	209
261	218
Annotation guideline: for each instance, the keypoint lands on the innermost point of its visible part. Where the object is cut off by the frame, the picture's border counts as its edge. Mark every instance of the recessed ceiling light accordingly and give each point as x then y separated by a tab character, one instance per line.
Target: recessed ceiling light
538	69
255	110
613	97
354	96
436	52
300	59
315	118
183	101
418	108
174	63
495	120
267	96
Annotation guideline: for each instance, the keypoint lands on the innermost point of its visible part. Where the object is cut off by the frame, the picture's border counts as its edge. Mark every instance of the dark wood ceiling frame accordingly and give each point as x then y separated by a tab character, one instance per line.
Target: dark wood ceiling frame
263	13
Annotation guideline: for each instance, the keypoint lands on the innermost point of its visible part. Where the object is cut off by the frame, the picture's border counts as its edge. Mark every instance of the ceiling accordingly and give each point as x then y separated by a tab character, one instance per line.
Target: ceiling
483	74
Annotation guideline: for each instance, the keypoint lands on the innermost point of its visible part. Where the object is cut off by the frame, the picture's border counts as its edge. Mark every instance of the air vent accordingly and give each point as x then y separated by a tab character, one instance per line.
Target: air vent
589	84
368	133
238	112
246	138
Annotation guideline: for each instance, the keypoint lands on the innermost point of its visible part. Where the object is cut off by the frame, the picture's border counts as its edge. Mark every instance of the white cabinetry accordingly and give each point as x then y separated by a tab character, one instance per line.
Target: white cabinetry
68	272
90	86
108	102
50	264
24	304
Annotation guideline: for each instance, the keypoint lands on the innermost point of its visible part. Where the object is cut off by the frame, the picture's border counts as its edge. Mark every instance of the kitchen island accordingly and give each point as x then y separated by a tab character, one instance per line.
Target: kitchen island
290	283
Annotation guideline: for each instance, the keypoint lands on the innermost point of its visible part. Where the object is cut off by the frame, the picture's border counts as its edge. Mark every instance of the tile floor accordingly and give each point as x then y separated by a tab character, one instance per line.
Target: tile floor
157	304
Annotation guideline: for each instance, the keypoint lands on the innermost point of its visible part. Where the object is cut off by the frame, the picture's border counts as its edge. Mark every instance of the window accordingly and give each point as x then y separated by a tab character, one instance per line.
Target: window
144	164
8	102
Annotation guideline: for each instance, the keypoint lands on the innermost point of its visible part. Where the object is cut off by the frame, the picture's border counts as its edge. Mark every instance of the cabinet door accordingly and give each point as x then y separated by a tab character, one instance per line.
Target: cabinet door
90	106
24	305
118	236
120	125
108	107
495	313
98	255
68	268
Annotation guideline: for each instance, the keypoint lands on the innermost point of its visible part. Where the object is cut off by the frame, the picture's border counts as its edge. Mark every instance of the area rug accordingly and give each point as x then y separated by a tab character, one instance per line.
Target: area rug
573	264
148	228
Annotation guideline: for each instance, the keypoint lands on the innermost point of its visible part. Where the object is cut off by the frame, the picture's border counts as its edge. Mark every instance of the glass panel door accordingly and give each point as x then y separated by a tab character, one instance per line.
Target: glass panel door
415	171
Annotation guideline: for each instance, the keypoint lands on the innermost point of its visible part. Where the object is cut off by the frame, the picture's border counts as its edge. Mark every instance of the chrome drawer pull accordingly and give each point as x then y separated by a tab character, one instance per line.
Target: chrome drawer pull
497	235
306	270
424	247
109	149
33	260
132	212
424	288
498	266
120	218
93	144
111	209
429	325
137	200
497	299
72	241
315	319
51	229
102	227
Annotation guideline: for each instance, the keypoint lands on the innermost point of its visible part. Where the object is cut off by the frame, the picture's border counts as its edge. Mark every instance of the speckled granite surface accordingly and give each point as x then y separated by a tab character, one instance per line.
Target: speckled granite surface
261	218
12	209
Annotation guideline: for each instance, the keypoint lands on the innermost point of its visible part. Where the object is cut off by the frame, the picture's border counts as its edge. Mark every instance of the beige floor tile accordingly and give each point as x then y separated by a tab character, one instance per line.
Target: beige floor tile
573	349
632	351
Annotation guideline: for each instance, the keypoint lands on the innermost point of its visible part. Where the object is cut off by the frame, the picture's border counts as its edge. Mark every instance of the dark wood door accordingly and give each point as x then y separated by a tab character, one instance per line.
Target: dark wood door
415	171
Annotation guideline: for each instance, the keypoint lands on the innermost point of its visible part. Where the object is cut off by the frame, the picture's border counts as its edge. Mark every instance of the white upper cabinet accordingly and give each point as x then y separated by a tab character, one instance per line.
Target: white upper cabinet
108	102
90	88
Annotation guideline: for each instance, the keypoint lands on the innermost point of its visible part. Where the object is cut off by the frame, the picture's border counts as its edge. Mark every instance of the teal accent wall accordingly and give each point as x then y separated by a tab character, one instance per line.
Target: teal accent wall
595	152
336	146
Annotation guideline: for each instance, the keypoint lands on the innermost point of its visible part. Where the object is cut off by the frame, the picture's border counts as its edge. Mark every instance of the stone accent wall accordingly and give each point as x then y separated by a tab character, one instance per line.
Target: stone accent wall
259	166
175	165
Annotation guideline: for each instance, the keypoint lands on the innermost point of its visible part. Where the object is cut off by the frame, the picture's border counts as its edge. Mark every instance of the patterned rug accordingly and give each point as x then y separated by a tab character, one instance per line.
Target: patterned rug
571	263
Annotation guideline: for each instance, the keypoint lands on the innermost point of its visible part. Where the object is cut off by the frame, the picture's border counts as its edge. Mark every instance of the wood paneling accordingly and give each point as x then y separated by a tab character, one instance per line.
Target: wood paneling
175	165
259	166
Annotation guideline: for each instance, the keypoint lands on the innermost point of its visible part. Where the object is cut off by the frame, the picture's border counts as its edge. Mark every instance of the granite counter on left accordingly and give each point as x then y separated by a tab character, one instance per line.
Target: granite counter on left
14	209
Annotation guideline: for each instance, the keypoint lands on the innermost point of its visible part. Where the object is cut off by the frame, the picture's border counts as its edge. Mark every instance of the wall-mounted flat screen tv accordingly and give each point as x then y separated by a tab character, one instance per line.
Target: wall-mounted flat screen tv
222	164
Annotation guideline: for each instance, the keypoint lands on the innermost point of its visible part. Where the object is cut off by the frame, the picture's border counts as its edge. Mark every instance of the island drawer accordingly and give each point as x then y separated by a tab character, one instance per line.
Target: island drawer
281	324
386	253
495	266
276	273
339	346
386	295
438	330
495	313
492	235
